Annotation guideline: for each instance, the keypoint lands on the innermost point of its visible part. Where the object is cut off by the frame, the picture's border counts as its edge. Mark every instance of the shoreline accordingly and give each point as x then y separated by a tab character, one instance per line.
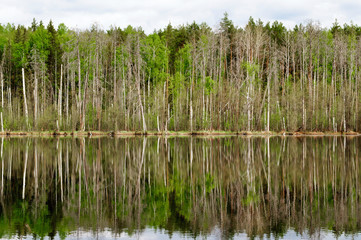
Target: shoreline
173	133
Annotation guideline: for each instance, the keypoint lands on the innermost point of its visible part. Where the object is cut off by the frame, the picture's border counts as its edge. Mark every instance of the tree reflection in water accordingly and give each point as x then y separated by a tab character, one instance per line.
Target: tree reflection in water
194	186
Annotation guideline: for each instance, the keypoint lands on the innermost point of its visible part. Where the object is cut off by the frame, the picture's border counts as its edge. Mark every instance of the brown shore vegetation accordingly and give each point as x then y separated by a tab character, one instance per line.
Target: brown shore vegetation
173	133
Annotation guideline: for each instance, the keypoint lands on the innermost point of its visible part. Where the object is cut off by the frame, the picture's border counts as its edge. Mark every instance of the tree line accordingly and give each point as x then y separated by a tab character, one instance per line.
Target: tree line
260	77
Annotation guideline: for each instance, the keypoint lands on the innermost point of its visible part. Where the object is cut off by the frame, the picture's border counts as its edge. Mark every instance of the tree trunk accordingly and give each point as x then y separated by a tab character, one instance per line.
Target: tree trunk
115	76
138	85
25	104
60	95
79	93
25	166
2	87
36	101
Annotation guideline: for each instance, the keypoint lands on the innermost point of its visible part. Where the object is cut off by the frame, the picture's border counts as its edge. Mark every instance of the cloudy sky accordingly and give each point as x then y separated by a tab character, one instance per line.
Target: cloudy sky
155	14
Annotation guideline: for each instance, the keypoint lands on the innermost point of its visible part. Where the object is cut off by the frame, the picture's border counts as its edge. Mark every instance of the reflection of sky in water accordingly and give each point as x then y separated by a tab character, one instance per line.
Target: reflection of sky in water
155	234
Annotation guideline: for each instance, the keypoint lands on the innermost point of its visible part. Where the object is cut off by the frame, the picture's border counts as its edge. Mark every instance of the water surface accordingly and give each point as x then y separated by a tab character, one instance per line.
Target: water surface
180	188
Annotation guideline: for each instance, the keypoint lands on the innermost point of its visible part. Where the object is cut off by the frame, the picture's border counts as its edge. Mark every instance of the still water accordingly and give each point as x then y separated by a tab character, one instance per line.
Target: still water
180	188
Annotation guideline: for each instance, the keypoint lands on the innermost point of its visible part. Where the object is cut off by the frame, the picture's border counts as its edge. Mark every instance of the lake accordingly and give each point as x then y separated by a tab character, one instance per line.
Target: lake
180	187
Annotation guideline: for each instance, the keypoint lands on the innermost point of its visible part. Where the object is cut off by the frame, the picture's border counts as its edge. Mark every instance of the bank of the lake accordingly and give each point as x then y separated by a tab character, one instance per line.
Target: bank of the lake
175	133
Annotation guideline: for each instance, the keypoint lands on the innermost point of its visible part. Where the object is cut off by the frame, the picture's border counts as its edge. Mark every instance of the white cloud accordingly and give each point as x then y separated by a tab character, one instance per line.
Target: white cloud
155	14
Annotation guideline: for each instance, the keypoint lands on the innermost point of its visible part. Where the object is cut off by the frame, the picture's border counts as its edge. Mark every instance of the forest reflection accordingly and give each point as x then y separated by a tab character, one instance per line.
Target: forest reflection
259	186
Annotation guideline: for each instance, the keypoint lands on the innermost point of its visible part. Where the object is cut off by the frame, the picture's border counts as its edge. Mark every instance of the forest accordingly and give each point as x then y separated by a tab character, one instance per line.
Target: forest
260	77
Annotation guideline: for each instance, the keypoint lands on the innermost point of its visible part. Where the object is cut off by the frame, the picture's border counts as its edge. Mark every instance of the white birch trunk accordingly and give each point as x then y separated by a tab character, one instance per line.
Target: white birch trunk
24	175
60	99
25	104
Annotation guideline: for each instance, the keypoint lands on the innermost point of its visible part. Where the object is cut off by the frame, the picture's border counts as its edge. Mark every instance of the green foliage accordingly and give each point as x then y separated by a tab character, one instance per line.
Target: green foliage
177	84
252	68
251	198
210	183
277	32
47	121
155	55
184	61
14	124
39	45
20	47
209	85
227	26
4	39
91	116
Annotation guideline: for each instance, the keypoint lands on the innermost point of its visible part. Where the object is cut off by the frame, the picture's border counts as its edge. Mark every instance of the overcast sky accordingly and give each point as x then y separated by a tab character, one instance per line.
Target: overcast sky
156	14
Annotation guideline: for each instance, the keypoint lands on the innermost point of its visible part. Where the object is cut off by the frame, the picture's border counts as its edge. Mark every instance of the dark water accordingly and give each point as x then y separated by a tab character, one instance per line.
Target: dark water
180	188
